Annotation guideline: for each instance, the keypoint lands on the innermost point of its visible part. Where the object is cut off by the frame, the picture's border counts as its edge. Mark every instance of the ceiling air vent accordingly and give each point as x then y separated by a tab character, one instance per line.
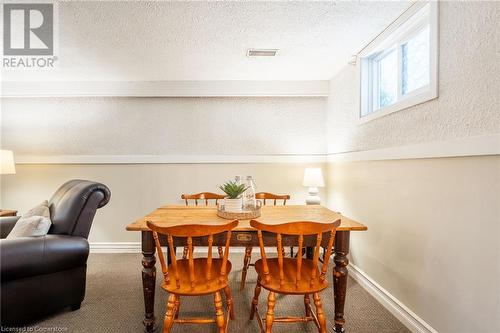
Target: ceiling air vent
261	52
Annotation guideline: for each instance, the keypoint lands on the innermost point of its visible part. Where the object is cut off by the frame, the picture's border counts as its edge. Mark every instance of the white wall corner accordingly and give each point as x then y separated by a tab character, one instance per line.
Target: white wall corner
391	303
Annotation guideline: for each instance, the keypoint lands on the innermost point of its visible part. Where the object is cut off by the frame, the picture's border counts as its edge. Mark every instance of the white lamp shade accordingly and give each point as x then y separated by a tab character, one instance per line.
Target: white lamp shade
7	165
313	177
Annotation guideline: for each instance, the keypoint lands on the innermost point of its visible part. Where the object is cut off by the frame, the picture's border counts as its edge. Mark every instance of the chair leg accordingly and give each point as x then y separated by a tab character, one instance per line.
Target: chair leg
177	307
307	303
255	301
271	301
319	313
219	314
246	264
185	252
229	300
169	316
221	253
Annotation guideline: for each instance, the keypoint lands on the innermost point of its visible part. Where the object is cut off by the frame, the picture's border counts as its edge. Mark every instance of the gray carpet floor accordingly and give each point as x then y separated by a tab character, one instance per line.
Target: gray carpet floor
114	303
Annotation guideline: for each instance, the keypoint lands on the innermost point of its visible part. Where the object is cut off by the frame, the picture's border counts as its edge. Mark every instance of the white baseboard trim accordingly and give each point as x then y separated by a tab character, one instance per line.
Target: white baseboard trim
121	247
135	247
391	303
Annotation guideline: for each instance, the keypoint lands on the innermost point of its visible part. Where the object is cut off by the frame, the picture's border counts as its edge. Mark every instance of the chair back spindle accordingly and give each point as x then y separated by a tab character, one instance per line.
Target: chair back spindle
263	254
316	255
191	261
164	267
209	257
328	253
279	248
173	260
223	272
299	260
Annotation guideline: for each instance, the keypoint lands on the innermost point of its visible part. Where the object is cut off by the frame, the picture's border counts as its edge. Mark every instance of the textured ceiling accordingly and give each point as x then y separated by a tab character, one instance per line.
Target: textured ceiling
136	41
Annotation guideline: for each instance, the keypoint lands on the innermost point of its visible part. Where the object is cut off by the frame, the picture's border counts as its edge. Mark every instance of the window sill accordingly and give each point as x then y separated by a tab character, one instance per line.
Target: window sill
428	94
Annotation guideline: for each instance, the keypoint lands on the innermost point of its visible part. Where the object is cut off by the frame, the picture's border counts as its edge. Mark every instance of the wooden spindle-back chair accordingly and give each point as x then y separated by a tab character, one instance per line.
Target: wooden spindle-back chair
263	197
293	276
195	276
207	196
202	196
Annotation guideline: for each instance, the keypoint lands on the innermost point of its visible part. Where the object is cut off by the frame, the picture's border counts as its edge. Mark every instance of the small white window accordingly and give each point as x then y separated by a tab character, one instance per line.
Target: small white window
399	68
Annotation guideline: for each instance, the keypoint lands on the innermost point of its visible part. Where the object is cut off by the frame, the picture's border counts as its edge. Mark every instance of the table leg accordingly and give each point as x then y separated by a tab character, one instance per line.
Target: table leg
309	252
340	277
148	280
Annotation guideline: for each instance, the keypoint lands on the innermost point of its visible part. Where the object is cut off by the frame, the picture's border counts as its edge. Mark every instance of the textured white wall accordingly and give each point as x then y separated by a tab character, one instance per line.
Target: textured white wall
433	224
433	231
163	126
469	98
79	126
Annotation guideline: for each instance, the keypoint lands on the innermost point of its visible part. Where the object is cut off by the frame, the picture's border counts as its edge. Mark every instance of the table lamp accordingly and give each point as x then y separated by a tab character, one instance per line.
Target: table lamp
7	166
313	178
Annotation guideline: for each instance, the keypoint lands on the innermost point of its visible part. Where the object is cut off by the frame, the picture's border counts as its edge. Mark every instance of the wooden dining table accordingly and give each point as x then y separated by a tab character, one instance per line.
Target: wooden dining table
244	235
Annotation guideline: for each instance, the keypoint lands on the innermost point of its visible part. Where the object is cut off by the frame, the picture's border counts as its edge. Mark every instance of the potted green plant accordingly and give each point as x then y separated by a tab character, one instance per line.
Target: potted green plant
233	202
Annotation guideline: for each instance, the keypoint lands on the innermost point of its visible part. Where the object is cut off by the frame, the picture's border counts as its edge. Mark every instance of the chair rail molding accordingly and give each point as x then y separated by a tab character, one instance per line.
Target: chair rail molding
469	146
169	159
236	88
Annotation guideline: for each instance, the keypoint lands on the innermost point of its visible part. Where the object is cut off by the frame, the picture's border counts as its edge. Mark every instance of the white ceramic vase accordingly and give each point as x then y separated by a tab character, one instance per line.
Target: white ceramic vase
233	205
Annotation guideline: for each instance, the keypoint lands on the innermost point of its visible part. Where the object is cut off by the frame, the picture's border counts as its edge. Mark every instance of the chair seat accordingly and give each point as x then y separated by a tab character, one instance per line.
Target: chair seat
202	285
305	285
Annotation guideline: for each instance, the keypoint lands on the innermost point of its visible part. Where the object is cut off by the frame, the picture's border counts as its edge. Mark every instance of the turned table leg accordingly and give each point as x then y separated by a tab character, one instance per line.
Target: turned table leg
148	280
309	252
340	277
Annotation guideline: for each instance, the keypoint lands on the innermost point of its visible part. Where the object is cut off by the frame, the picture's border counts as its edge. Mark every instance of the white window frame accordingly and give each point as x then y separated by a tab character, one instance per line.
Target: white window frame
409	24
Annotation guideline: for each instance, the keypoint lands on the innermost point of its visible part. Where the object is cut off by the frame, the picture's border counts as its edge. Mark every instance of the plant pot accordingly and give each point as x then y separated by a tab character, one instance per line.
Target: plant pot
233	205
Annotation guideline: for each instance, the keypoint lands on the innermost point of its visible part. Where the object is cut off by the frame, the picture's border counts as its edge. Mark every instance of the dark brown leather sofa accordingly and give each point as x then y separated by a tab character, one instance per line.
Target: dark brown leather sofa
40	275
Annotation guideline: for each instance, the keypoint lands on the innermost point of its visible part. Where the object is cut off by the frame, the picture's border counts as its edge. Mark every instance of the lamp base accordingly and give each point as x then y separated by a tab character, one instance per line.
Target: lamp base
313	197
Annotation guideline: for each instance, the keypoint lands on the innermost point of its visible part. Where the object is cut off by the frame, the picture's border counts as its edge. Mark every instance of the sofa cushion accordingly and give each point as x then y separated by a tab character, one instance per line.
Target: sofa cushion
36	222
7	223
30	256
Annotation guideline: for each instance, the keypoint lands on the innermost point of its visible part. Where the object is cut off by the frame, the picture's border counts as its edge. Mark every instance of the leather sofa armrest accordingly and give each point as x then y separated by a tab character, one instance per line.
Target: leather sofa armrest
6	225
30	256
